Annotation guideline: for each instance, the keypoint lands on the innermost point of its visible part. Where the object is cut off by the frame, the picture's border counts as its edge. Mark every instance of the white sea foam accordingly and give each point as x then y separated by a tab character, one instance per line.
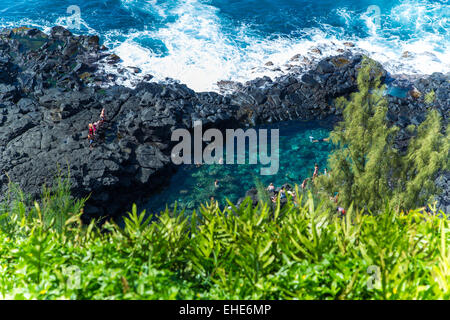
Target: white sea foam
202	49
201	52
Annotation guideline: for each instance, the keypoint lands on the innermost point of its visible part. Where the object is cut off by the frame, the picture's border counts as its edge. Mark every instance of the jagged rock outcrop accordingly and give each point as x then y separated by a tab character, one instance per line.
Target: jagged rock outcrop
52	87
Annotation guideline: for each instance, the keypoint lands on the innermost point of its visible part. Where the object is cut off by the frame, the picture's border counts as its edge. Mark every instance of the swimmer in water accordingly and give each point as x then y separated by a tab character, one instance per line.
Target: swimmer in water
271	187
312	140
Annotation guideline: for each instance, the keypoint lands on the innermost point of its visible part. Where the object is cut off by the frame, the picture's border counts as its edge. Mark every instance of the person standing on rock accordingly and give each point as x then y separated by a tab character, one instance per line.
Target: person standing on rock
283	193
91	135
97	125
103	116
316	171
91	141
304	183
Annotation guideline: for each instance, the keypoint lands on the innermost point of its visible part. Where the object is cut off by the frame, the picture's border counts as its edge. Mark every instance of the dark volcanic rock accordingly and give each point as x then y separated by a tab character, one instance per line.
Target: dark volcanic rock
50	90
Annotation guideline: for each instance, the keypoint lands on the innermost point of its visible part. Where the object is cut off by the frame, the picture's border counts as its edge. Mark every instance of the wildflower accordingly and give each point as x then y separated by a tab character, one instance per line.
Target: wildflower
394	290
304	276
43	291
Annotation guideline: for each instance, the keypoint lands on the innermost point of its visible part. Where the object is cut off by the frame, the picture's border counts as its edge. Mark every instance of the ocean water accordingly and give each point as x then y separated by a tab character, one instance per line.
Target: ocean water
200	42
192	186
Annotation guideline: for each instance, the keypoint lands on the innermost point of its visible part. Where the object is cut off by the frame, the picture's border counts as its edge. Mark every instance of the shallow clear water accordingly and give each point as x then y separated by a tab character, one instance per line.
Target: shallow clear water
397	91
192	186
200	42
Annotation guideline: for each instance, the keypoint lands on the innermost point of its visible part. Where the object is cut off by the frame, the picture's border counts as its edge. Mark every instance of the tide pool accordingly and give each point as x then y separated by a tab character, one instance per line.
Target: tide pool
192	186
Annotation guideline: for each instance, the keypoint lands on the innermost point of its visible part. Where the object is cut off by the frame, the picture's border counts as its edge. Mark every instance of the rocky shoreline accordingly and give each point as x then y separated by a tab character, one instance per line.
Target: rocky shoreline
52	86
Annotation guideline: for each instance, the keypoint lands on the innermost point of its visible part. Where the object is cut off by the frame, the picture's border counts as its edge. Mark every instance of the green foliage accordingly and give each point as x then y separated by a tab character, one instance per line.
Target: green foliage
300	251
58	205
56	208
366	168
295	252
263	194
430	97
428	152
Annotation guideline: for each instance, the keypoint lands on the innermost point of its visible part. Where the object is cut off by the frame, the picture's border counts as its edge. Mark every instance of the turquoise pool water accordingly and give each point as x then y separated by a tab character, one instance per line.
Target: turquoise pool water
191	186
397	91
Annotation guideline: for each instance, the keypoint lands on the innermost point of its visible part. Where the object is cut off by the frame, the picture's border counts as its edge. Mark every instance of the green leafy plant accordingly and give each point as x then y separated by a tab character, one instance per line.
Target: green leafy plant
298	251
430	97
366	169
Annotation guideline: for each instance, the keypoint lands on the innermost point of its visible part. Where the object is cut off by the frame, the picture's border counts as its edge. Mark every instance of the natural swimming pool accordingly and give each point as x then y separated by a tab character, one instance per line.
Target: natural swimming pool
192	186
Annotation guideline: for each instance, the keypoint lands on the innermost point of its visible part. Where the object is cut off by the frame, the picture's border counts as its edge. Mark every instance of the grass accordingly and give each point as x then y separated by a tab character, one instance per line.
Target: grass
294	252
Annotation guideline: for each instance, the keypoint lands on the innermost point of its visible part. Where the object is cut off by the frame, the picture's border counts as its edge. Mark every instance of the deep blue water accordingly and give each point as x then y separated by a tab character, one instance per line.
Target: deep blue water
200	42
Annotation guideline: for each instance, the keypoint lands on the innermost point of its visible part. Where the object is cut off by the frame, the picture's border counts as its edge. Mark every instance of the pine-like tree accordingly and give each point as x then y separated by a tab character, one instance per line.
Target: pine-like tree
365	168
428	152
